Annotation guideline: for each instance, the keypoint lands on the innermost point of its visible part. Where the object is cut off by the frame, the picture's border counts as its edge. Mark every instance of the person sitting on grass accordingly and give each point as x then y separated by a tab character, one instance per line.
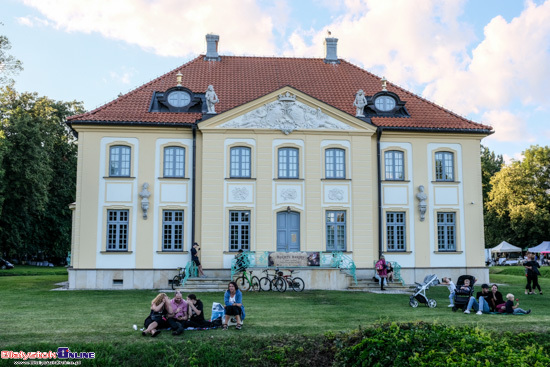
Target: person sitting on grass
160	308
195	313
179	308
511	309
481	301
495	299
233	300
452	289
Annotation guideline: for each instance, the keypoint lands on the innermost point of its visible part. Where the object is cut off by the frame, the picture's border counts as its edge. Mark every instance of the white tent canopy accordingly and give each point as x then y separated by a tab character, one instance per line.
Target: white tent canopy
543	247
505	247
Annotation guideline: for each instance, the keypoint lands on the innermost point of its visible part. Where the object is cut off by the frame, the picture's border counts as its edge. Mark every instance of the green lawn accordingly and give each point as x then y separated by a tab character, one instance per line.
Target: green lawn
36	317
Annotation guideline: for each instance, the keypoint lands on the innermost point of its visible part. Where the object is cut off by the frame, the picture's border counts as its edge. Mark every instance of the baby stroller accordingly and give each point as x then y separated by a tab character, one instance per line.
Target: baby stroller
419	294
462	298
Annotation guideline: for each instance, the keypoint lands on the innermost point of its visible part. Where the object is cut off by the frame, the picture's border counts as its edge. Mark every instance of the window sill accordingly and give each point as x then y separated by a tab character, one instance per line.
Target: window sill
395	181
116	252
118	178
240	178
173	178
446	182
288	179
172	252
336	179
448	252
397	252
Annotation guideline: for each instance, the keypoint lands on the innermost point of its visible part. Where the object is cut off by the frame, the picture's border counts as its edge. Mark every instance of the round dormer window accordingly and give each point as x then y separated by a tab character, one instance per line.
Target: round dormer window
384	103
179	98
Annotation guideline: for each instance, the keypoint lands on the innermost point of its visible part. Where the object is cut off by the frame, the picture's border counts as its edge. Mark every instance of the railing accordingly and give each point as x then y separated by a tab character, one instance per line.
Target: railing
241	262
344	262
191	270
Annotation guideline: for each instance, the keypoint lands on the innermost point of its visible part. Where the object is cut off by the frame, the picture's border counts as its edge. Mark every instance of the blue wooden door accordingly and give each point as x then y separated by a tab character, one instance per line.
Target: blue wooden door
288	231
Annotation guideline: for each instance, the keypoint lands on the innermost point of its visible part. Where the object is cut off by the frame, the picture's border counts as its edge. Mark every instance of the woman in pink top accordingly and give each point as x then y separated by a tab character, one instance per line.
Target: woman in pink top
382	271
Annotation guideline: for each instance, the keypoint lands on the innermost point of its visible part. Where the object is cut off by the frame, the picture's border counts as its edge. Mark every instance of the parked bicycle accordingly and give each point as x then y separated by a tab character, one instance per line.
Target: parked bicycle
294	283
273	282
248	282
176	282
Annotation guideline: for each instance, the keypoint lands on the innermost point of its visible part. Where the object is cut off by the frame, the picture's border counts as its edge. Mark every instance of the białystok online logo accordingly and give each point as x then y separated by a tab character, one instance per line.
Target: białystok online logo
62	353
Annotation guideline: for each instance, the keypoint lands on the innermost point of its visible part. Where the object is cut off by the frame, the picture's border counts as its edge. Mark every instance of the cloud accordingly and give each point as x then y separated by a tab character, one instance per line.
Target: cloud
122	77
167	27
511	63
32	21
508	127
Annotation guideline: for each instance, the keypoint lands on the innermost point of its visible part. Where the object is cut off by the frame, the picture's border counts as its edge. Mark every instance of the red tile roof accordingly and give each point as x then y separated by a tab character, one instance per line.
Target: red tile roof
238	80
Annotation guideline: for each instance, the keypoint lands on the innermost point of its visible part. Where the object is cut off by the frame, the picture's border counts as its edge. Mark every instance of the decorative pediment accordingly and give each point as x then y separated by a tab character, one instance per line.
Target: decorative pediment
287	114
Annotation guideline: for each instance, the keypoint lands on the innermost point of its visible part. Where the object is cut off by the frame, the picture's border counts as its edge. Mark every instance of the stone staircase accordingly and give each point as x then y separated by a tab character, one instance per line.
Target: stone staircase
372	285
216	281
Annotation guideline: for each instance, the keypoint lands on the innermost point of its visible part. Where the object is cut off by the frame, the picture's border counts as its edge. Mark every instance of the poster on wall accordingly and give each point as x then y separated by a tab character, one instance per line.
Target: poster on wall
294	259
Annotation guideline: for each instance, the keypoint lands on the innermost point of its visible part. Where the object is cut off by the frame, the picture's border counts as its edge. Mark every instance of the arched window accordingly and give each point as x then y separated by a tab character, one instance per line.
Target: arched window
288	163
335	163
444	166
119	161
394	164
240	162
174	162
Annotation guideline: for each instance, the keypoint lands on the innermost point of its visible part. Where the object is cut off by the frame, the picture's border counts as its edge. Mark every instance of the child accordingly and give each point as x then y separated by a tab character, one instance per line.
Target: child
452	289
510	308
466	289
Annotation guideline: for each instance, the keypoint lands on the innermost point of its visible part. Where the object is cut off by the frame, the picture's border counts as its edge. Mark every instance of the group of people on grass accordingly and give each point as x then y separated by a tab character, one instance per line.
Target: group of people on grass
485	301
179	314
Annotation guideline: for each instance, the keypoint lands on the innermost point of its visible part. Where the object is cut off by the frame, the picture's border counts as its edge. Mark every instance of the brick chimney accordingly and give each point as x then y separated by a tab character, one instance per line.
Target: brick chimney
212	47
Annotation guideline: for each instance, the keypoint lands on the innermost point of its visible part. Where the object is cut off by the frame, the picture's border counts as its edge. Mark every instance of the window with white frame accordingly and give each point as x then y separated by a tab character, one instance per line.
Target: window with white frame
444	166
117	230
336	230
395	231
394	164
288	163
172	230
174	162
335	163
239	230
119	161
446	232
239	162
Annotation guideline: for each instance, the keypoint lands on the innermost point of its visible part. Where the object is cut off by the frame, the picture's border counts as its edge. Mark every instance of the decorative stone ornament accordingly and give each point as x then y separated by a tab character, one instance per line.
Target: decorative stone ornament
359	103
286	114
211	100
421	196
144	194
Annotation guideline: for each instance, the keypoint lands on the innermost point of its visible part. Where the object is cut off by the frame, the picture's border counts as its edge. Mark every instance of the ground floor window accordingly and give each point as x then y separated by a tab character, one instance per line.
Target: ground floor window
172	230
239	230
395	231
336	230
446	232
117	230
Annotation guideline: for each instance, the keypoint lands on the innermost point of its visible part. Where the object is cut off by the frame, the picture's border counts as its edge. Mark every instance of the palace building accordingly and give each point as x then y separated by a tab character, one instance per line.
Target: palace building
274	155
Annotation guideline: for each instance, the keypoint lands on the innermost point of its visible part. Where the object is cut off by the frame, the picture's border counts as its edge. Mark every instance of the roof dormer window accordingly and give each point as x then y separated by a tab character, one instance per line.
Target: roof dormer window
179	98
384	103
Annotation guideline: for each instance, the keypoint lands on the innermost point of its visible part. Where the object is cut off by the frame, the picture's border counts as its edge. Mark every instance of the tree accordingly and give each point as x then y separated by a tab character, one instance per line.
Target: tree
39	167
496	229
9	65
520	198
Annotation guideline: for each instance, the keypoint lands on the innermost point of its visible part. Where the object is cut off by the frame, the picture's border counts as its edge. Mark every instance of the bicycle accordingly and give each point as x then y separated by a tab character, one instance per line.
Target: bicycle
295	283
277	283
248	282
176	281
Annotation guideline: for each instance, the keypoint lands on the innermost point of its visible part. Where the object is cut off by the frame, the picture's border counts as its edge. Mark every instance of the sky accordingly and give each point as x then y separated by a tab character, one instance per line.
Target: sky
487	60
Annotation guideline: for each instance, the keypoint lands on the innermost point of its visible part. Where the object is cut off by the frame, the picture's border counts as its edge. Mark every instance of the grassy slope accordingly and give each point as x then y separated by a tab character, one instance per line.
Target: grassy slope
39	318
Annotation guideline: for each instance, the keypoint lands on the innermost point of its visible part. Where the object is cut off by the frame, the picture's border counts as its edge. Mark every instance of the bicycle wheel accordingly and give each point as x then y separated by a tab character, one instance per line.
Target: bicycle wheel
279	284
297	284
243	283
265	284
176	282
255	285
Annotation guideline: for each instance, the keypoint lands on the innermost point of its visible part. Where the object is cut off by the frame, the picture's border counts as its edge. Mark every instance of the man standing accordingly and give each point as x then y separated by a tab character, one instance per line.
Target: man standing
195	259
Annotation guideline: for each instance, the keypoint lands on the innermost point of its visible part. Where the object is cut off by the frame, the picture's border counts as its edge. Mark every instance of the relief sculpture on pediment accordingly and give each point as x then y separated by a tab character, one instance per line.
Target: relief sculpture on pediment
287	115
